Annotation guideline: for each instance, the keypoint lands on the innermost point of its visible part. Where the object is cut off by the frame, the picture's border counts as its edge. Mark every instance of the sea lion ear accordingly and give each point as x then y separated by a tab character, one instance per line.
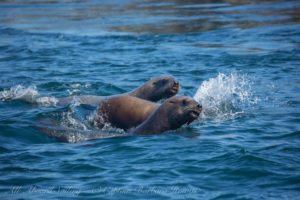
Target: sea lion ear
154	82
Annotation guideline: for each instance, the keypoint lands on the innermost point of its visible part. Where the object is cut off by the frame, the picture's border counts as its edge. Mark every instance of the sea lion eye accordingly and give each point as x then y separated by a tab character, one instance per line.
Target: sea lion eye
172	102
154	83
184	102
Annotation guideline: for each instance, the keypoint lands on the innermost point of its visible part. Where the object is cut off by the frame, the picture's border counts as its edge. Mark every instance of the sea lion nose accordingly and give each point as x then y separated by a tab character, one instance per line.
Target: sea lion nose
199	106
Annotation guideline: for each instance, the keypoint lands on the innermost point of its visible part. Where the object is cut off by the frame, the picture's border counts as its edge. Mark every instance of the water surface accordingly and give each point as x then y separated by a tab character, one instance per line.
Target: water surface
240	59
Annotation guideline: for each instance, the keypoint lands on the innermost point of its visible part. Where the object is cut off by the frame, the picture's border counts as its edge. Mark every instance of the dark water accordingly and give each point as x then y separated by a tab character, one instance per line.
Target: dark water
240	59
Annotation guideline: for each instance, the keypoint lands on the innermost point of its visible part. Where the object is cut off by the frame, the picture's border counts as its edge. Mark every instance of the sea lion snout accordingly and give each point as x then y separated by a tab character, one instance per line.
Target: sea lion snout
174	89
199	106
195	110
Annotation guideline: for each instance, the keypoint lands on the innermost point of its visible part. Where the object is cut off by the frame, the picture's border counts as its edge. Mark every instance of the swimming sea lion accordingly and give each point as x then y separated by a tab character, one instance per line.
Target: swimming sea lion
126	112
170	115
153	90
157	88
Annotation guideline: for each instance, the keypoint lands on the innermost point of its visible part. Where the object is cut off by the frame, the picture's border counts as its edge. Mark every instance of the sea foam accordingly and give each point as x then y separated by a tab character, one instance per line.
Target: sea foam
225	96
28	94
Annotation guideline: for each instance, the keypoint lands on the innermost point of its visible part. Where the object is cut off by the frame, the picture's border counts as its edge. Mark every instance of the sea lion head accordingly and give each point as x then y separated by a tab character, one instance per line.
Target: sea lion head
182	110
158	88
170	115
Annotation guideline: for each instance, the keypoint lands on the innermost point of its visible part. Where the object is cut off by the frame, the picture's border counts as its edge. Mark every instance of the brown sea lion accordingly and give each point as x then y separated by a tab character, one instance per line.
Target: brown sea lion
155	89
170	115
127	112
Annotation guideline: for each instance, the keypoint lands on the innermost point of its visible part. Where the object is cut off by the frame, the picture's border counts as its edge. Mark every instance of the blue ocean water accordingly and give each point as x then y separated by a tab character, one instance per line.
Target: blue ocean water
239	59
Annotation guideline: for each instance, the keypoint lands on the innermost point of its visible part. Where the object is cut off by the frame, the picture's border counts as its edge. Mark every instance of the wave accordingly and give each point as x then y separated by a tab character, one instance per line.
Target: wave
28	94
225	96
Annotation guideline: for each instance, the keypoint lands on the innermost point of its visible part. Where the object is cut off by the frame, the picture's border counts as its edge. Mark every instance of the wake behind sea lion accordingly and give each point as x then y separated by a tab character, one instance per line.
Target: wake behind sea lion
170	115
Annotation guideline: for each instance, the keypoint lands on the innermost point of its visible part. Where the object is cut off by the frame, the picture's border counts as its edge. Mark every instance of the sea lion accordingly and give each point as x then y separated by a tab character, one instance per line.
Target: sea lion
127	112
170	115
155	89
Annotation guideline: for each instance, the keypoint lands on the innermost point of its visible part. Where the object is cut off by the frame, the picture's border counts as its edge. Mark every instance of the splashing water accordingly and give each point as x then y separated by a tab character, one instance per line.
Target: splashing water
225	97
20	92
72	118
82	118
28	94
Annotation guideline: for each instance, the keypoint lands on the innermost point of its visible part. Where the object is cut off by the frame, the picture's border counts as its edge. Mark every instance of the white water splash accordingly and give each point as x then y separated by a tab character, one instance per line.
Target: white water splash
28	94
76	88
94	117
73	118
47	101
69	118
225	97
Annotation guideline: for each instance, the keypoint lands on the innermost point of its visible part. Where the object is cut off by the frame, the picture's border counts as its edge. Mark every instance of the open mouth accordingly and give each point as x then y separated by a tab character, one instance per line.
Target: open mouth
174	89
194	114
